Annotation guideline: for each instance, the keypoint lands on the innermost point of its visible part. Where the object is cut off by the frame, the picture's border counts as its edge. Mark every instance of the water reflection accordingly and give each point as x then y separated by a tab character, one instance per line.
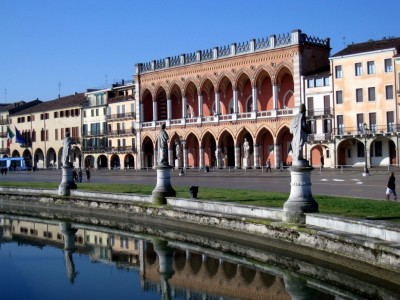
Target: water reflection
175	265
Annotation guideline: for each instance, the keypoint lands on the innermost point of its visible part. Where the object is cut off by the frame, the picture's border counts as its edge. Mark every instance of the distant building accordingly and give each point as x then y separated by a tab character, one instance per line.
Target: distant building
43	127
216	98
320	115
6	112
94	128
121	131
366	107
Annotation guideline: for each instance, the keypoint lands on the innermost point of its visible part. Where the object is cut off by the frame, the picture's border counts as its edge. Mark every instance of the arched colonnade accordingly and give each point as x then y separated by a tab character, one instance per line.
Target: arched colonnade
223	149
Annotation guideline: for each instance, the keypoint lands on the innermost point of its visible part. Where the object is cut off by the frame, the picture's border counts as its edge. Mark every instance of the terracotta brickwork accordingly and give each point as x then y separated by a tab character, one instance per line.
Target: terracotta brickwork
211	106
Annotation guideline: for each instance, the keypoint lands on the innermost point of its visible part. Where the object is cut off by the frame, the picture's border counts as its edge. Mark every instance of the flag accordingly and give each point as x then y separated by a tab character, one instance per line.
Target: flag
10	135
19	139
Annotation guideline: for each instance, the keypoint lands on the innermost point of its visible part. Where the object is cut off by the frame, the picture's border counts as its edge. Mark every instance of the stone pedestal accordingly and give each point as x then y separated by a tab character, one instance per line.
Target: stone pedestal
67	181
163	188
246	163
178	164
300	200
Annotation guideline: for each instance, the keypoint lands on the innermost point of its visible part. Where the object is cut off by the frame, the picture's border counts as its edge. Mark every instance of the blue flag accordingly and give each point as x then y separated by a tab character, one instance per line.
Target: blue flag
19	139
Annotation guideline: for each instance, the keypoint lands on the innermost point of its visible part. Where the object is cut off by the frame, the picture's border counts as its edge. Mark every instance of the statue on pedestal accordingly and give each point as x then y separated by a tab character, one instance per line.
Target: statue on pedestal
246	148
66	153
300	131
163	146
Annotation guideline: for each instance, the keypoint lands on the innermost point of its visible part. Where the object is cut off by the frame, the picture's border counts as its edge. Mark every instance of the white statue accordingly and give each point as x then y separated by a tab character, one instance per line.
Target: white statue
300	132
178	151
66	153
163	146
246	148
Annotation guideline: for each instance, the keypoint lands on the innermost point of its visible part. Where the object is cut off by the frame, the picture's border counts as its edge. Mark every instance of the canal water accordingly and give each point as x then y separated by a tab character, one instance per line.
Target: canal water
69	255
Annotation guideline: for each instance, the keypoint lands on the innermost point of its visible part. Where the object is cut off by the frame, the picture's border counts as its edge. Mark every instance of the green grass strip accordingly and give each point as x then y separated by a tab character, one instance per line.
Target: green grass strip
342	206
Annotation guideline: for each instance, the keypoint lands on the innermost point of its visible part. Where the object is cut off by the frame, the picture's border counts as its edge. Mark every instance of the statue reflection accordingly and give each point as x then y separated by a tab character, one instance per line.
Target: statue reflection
69	249
166	270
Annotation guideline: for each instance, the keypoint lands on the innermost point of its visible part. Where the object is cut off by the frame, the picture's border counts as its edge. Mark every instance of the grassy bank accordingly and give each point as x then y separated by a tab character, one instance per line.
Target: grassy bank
350	207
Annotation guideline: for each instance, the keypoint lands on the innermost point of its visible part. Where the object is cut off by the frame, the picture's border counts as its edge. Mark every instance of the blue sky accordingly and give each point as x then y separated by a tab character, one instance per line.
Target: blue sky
65	46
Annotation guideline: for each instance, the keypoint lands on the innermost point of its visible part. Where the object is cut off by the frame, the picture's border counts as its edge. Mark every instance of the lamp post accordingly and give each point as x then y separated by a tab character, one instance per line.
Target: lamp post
365	134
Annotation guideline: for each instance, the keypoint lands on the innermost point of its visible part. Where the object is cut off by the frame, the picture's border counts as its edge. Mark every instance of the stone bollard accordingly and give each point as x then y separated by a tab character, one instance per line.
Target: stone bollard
193	190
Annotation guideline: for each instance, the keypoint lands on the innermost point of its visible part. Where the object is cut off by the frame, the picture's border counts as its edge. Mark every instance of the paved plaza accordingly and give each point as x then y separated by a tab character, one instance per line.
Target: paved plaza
348	182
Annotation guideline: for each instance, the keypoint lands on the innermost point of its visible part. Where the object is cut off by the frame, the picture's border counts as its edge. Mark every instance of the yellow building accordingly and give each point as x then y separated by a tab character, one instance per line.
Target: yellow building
364	84
43	128
121	131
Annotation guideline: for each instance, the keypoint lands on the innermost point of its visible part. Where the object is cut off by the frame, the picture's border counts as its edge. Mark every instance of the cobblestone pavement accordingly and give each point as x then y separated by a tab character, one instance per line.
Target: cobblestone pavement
348	182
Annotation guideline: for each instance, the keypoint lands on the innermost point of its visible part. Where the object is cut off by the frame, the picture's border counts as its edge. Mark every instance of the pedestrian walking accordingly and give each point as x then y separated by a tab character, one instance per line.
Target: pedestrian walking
80	175
75	175
269	165
322	162
391	187
88	174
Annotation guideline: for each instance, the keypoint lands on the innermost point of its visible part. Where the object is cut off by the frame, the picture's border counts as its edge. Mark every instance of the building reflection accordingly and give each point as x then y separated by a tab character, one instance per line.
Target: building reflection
172	269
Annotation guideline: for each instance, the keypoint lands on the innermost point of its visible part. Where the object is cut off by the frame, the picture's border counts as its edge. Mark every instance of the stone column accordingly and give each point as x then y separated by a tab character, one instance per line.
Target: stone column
141	112
237	157
185	156
254	96
155	111
169	109
155	158
277	155
201	157
235	101
218	158
217	103
142	158
200	103
256	156
184	110
275	95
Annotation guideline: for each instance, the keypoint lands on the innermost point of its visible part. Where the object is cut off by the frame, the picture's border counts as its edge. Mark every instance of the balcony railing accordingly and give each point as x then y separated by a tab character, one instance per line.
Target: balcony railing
121	149
319	137
120	132
94	149
221	118
5	121
327	112
94	133
130	115
374	129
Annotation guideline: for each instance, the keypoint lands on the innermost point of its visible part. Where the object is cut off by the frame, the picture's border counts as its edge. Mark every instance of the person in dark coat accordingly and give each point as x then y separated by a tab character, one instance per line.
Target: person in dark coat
391	187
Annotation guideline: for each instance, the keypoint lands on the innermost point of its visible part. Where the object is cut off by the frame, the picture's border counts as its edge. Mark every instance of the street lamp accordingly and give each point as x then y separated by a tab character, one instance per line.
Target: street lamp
365	134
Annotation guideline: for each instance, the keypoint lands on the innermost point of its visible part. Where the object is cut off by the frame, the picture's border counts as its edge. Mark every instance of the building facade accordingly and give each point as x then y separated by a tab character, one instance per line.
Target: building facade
366	111
43	128
320	114
212	100
121	131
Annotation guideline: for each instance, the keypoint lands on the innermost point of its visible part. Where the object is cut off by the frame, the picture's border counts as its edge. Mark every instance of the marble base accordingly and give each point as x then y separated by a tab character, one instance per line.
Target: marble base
246	164
67	181
178	164
300	200
163	188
